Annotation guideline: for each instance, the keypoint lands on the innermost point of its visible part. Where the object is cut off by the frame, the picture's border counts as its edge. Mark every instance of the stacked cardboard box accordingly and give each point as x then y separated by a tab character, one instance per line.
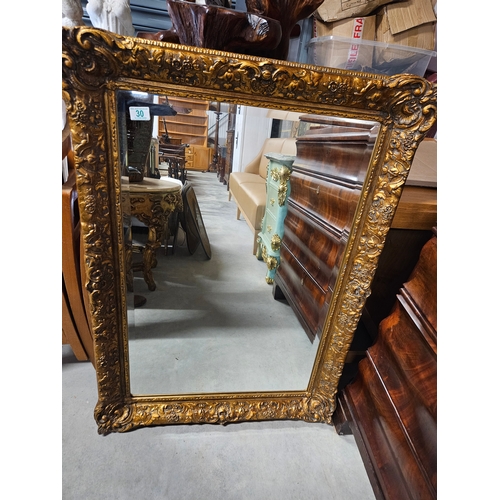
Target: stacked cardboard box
408	23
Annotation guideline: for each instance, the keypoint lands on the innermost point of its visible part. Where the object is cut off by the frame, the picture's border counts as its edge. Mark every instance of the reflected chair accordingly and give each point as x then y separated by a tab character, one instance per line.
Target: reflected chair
174	156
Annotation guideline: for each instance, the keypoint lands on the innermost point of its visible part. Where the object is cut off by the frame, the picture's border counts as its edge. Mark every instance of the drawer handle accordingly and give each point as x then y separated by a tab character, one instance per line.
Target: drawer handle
317	190
302	281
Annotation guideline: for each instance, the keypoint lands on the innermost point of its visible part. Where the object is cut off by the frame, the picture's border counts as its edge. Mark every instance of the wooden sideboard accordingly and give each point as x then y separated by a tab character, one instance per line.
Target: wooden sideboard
391	406
198	157
328	174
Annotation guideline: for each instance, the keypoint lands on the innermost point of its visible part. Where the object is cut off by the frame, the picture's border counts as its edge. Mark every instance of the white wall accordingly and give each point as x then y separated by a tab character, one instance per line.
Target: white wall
252	129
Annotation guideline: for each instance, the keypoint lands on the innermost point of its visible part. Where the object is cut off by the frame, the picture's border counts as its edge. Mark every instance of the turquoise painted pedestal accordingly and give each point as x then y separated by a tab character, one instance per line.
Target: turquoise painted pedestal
278	190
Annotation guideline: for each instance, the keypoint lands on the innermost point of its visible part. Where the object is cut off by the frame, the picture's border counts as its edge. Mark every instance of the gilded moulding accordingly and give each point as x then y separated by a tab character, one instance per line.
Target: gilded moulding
96	63
284	175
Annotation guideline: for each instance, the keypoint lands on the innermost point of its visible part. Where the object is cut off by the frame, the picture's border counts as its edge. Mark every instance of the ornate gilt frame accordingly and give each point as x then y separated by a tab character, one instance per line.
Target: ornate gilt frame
97	63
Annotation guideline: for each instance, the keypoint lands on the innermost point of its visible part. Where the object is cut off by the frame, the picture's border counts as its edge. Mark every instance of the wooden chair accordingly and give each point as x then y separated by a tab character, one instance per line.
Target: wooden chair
76	329
174	155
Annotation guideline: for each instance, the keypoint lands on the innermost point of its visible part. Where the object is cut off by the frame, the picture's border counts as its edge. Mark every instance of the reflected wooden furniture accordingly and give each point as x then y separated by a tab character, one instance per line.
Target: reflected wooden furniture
76	329
198	157
174	156
190	124
277	192
151	202
228	158
328	174
391	407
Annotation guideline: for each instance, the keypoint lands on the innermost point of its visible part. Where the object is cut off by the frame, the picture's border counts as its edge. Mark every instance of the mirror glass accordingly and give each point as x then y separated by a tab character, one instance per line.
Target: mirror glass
212	324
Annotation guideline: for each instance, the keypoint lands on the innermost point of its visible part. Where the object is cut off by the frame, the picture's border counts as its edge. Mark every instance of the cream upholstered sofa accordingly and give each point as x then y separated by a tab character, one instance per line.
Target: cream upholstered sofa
248	187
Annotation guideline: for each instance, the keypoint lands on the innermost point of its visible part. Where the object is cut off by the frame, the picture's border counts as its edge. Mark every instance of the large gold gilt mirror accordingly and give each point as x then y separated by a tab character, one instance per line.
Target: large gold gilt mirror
141	382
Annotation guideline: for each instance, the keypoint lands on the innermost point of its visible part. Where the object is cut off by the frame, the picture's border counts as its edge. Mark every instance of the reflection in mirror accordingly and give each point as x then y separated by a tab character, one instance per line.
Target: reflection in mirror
213	325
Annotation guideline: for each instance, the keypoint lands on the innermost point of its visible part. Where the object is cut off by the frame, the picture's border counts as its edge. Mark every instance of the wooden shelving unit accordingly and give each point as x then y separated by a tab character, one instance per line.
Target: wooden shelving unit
190	127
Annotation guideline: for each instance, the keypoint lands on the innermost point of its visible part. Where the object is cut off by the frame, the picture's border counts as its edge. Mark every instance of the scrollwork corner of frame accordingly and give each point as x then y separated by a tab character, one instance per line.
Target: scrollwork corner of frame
412	104
319	408
113	417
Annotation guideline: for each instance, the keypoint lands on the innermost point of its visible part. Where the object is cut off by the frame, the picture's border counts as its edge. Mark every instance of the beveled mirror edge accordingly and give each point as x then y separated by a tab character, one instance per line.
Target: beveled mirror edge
95	64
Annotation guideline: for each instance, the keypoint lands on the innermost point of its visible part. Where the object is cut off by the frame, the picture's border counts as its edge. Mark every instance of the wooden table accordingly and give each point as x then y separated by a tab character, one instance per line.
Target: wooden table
151	202
417	209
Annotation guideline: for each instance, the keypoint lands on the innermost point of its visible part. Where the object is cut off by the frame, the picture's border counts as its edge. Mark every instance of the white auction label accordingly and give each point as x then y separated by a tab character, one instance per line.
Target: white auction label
139	113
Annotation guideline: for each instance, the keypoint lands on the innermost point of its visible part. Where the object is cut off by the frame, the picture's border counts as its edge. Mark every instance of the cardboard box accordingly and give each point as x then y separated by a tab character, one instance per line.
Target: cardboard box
336	10
422	36
408	14
347	55
358	28
419	37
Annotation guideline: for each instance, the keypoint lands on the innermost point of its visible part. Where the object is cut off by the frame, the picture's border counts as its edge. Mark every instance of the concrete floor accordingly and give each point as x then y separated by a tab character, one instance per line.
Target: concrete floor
254	460
278	460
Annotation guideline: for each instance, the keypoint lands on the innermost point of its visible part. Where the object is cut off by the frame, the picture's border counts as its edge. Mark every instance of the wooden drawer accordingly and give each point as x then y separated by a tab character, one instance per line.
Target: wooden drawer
333	204
313	244
270	224
308	295
345	160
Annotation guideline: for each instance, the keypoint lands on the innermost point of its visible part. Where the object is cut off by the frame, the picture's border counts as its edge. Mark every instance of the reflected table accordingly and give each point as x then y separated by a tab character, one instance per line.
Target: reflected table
151	201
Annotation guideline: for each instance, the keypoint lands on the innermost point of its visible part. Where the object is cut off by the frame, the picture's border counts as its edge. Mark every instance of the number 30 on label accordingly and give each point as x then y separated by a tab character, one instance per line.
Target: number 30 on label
139	113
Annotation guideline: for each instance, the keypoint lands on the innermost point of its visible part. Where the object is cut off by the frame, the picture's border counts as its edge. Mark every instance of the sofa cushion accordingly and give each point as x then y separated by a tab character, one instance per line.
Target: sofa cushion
238	178
289	147
281	145
252	201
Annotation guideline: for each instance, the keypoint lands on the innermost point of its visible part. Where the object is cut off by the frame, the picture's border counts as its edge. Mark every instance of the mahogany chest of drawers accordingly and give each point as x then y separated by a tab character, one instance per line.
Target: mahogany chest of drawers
326	181
391	406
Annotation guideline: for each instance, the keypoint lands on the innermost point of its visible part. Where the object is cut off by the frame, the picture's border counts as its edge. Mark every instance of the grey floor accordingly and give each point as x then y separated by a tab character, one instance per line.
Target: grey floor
212	325
279	460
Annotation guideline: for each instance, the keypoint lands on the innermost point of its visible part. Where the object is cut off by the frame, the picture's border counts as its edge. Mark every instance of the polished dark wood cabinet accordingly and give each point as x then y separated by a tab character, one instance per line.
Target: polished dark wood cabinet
332	160
391	406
